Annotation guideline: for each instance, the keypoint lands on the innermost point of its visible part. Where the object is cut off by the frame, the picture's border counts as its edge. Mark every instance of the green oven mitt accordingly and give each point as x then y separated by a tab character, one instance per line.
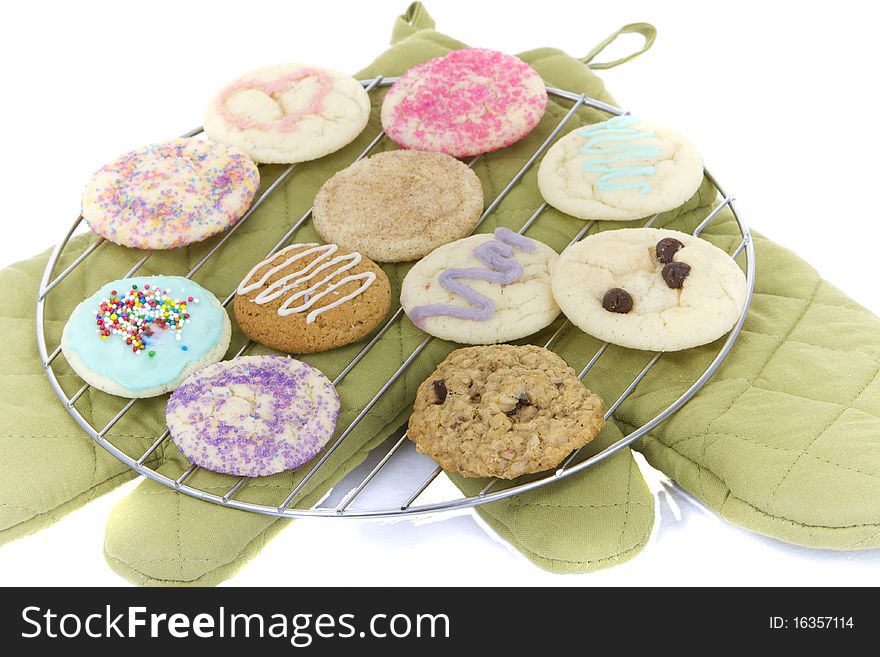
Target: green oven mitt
750	445
784	440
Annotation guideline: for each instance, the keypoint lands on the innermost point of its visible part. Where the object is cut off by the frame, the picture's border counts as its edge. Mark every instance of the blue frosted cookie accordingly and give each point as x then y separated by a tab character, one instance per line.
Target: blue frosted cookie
140	337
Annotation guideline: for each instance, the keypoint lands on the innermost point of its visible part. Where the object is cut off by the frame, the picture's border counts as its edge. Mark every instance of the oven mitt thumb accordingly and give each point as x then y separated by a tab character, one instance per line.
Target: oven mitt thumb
599	517
48	466
784	439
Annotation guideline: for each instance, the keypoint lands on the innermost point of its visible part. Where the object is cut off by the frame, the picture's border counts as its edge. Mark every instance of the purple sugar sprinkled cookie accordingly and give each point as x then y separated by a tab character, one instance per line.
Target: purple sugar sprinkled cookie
253	416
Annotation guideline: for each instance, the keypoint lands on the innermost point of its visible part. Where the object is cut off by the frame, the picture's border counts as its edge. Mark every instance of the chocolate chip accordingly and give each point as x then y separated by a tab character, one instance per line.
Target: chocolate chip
521	401
440	390
674	274
666	248
617	300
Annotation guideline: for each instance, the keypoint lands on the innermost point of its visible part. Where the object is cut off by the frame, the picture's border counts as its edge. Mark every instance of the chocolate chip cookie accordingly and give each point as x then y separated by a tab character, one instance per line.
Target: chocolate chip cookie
503	411
649	288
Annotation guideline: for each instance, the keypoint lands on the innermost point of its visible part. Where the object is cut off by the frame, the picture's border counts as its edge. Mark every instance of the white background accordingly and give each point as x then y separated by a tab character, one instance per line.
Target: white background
780	97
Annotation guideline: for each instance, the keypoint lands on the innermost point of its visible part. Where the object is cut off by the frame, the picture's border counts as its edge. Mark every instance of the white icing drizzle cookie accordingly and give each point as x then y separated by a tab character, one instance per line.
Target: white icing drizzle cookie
323	265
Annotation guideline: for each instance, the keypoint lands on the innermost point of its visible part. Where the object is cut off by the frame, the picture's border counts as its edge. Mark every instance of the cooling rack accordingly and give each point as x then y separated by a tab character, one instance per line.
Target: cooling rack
491	492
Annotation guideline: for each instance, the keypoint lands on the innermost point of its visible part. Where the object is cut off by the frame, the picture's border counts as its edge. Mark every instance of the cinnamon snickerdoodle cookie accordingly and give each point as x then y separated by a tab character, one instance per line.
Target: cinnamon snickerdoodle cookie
400	205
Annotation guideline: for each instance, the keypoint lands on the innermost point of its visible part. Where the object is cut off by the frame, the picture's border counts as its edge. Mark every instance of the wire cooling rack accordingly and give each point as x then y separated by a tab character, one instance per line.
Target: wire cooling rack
287	507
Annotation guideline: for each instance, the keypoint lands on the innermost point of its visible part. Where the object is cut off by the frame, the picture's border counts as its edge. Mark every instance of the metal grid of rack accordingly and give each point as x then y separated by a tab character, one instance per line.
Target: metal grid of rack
287	507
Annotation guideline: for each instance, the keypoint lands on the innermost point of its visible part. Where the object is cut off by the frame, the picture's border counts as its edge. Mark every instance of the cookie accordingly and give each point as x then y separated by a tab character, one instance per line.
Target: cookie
288	113
170	194
465	103
399	206
140	337
253	416
482	289
503	411
620	170
312	297
649	288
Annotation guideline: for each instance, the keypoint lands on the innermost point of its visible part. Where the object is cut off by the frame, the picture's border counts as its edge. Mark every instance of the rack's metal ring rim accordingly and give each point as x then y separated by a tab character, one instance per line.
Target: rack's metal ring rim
451	505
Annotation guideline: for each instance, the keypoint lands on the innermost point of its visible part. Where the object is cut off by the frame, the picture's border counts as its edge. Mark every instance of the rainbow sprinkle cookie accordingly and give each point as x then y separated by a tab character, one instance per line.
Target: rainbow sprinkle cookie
253	416
140	337
469	102
288	113
170	194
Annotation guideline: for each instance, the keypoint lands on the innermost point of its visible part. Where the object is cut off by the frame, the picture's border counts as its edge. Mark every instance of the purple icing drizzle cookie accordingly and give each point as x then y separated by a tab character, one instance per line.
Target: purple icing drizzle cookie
502	268
253	416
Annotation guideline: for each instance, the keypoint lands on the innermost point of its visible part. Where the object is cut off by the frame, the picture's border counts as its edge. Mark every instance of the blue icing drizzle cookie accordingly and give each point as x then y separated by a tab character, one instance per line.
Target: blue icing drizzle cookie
621	169
141	336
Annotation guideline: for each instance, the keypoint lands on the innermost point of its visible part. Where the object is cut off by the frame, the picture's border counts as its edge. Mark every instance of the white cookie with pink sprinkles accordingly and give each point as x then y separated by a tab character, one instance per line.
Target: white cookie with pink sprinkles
288	113
468	102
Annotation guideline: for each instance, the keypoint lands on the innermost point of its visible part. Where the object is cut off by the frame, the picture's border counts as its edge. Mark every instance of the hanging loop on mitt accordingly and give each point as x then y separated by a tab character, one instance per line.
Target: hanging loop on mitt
645	29
414	19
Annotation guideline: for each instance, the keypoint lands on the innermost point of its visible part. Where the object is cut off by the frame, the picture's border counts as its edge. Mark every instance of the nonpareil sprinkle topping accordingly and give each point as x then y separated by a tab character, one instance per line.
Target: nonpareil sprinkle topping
135	315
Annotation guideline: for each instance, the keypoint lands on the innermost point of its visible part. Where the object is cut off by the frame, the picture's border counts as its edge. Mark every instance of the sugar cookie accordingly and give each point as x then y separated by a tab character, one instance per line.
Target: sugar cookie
288	113
620	170
170	194
140	337
465	103
253	416
482	289
649	288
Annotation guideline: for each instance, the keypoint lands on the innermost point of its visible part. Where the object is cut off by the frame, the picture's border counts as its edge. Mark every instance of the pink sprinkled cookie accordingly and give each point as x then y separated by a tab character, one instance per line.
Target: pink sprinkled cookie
253	416
288	113
170	194
468	102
